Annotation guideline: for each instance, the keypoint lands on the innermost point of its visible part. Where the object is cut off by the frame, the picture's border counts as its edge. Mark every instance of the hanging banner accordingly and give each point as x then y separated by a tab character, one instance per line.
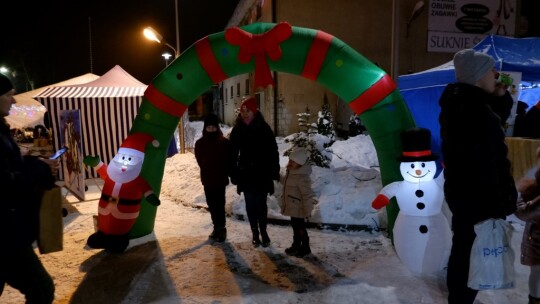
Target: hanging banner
70	128
458	24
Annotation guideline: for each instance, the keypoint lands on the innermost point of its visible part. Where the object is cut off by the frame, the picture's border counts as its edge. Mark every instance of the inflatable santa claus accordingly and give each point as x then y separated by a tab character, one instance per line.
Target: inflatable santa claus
122	193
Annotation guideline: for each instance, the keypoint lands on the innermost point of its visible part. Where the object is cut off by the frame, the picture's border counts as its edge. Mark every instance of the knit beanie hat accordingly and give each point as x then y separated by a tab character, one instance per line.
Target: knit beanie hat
211	120
5	84
470	65
250	103
299	156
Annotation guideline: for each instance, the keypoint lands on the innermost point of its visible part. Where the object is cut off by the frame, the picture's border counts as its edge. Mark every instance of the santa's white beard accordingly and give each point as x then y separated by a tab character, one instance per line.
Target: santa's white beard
130	172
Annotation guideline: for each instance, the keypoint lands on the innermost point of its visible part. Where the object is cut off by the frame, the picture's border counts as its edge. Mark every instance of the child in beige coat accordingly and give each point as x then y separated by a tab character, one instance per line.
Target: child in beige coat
298	200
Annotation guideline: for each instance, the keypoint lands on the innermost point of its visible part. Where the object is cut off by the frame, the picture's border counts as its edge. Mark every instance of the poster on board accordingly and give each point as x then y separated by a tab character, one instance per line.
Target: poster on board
70	128
459	24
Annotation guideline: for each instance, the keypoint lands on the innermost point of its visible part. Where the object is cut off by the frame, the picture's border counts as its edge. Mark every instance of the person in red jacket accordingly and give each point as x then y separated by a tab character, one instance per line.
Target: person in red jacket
122	193
213	153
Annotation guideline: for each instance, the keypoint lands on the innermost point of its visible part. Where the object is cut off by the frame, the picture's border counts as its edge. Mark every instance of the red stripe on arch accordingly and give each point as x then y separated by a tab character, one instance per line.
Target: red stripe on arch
316	54
209	61
370	97
163	102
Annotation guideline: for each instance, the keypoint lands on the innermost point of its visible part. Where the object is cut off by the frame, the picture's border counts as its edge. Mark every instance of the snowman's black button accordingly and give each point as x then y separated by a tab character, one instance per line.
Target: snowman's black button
420	206
423	229
419	193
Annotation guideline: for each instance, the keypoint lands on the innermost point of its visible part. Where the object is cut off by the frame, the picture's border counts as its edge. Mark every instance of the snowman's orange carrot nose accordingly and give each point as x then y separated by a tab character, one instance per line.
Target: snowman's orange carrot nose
418	172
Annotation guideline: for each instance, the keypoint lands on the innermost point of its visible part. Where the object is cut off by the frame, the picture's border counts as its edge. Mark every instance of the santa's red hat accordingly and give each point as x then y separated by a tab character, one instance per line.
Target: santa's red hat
135	144
250	103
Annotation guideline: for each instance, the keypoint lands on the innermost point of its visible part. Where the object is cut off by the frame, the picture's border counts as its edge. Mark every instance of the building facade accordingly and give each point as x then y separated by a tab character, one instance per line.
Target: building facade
394	34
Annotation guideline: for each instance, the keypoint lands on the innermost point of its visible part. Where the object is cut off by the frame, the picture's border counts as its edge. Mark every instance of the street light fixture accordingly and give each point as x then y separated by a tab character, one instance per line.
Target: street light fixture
167	56
153	35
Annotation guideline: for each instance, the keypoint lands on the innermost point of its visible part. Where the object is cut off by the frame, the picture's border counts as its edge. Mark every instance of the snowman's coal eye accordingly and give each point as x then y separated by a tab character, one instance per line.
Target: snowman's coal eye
412	166
423	165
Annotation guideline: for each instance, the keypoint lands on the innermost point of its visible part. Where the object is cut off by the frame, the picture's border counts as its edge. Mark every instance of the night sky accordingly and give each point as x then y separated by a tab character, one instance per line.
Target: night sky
49	41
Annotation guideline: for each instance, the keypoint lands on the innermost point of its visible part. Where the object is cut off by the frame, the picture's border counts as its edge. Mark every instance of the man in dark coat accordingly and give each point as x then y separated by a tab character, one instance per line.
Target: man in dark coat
213	154
23	180
478	182
257	166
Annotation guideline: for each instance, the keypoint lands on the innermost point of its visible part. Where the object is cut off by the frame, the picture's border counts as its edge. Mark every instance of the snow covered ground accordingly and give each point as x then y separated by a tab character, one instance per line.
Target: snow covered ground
178	264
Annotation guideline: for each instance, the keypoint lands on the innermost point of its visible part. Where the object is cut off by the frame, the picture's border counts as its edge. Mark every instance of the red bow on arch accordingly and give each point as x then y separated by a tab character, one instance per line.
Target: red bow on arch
259	45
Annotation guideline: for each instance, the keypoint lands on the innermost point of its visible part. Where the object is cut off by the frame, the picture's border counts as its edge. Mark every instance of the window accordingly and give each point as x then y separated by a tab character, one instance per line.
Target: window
238	89
232	91
247	87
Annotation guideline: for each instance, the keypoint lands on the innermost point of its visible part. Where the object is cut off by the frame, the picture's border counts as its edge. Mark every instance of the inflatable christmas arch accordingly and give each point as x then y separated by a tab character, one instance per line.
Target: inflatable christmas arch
261	47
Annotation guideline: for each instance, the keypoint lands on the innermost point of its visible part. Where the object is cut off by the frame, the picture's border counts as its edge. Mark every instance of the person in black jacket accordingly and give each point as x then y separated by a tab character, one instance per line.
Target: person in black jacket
256	167
478	181
24	180
529	125
213	152
521	110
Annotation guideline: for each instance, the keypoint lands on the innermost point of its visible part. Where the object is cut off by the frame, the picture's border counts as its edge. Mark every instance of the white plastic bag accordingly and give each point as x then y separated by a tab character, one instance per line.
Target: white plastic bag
492	257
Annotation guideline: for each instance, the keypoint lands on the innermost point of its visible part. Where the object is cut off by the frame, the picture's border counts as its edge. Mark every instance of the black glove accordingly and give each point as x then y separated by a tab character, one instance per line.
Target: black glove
153	200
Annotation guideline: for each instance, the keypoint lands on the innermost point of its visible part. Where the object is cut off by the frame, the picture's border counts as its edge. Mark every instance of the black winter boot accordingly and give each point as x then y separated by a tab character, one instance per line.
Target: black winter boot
221	234
294	247
255	241
117	243
304	248
212	235
97	240
265	238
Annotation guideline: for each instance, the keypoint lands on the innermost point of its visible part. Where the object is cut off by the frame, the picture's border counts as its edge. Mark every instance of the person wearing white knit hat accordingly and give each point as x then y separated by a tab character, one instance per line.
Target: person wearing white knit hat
298	199
478	181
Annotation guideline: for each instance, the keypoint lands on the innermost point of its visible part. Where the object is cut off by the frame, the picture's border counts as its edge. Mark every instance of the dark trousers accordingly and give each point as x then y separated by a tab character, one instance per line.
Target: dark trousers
215	198
23	270
458	265
299	228
256	209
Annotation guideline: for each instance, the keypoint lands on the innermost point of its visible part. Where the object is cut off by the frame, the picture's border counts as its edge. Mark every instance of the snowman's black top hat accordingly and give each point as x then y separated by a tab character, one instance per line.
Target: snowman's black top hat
416	144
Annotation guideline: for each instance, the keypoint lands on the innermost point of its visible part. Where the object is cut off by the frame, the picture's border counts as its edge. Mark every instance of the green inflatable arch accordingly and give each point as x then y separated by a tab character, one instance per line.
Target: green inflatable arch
259	47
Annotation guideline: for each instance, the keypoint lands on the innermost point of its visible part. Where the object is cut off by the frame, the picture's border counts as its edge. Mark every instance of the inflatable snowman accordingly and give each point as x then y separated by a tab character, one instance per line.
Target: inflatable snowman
422	235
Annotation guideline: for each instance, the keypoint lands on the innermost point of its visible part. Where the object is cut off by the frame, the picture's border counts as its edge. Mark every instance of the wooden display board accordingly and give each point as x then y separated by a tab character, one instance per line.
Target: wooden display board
70	128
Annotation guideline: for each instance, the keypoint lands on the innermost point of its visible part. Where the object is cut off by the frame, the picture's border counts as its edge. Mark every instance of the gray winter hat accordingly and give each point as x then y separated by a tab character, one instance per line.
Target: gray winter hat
470	65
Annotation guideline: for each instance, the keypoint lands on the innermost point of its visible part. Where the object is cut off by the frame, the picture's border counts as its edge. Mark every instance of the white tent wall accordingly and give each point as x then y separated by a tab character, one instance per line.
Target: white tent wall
107	112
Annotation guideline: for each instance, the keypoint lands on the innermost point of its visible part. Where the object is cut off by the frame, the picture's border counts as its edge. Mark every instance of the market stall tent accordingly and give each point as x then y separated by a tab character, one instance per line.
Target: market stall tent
28	112
108	106
422	90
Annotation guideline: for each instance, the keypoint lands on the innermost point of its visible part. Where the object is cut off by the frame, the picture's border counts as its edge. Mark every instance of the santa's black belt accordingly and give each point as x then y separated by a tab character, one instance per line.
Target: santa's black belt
121	201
